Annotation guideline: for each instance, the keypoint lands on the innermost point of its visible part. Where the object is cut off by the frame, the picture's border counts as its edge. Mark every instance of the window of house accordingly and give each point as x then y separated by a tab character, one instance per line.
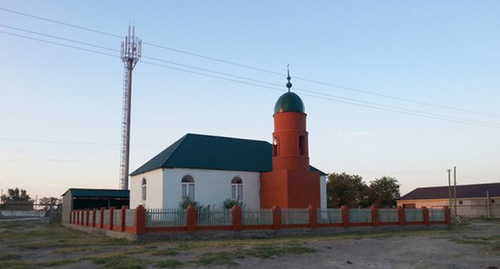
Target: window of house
144	189
237	189
302	146
460	202
492	201
188	187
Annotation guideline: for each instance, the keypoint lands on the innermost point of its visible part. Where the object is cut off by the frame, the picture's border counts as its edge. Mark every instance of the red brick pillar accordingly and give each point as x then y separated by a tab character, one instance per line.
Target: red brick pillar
401	214
191	219
345	215
111	217
101	217
122	217
237	221
447	214
374	215
140	220
425	212
93	216
276	217
313	217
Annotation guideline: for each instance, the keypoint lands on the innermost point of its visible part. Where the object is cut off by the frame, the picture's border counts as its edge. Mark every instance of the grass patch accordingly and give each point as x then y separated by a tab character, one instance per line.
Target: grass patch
120	262
165	252
59	262
269	251
17	265
8	257
168	264
218	258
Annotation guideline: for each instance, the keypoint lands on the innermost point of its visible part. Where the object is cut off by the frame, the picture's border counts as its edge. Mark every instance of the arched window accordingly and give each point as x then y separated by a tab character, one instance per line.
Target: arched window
237	189
144	189
188	187
275	146
302	146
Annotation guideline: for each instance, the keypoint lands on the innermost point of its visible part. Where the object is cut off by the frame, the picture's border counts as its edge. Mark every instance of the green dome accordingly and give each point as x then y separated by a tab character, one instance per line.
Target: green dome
289	102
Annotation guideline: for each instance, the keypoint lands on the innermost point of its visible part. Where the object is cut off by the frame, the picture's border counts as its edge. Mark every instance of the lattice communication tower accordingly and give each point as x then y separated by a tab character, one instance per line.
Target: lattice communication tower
130	54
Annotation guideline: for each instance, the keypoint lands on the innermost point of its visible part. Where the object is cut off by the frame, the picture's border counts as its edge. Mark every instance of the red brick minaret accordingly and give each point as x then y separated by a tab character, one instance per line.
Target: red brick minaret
290	184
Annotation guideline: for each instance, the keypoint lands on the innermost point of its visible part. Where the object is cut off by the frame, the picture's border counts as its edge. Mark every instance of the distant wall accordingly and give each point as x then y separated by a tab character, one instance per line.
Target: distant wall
466	207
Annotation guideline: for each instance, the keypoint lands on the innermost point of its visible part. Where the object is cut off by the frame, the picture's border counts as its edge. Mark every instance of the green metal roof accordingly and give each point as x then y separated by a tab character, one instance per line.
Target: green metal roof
215	153
289	102
98	193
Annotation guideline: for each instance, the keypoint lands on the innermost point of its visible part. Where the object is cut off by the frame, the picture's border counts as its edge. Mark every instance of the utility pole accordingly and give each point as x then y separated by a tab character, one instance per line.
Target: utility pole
449	187
455	188
130	54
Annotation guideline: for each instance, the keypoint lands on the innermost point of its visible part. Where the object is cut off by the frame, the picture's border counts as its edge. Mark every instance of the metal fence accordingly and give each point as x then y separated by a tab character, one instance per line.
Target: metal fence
257	217
295	216
330	215
129	217
414	215
105	217
360	215
116	217
437	214
388	215
91	216
98	218
166	218
218	217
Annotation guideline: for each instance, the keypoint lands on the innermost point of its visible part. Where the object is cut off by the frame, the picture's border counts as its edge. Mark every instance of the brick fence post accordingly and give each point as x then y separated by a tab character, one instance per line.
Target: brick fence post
101	217
93	216
191	219
425	212
313	217
237	220
345	215
374	215
447	215
140	220
123	211
111	217
276	217
401	215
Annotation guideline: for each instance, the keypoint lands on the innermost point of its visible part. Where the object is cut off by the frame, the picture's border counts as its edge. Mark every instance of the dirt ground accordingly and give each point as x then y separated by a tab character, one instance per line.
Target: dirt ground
473	244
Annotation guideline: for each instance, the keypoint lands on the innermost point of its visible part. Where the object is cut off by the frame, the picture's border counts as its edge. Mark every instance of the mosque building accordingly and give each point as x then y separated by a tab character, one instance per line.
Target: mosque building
211	169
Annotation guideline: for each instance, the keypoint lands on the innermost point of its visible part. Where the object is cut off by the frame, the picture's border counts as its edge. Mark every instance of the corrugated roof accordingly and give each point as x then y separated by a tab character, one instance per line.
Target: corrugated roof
213	152
98	193
463	191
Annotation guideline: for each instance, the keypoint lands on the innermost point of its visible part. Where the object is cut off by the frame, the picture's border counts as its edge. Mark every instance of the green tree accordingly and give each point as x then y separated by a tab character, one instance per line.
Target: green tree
345	190
16	195
383	192
48	202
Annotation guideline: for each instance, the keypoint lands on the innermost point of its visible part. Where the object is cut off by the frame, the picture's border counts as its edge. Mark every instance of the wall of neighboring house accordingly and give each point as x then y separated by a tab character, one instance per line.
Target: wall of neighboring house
322	186
67	206
154	187
212	187
467	207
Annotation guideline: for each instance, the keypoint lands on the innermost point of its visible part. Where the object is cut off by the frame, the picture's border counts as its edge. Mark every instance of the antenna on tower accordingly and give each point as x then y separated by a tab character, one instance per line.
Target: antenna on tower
130	54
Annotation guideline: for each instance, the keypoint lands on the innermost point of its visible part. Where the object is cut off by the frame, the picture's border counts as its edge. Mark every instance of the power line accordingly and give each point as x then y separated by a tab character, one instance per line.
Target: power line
256	68
343	99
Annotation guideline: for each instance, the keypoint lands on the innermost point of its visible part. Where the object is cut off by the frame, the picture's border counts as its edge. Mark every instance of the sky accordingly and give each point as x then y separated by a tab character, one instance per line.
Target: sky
406	89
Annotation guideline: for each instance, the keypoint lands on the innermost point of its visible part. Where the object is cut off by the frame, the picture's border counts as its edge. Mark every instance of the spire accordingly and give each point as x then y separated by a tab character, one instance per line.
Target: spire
288	84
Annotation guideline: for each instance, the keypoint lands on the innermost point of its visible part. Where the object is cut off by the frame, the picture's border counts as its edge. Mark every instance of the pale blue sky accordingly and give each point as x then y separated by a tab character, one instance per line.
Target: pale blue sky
60	107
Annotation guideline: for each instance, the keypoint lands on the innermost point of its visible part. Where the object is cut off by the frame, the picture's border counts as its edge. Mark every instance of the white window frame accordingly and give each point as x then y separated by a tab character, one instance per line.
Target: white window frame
188	187
144	189
237	189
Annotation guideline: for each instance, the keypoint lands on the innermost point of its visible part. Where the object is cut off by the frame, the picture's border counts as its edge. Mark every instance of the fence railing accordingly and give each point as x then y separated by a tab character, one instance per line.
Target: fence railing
140	220
330	216
257	217
220	217
166	217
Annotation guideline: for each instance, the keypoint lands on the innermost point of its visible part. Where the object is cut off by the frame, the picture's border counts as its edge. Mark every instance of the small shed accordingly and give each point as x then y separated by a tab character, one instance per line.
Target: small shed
92	198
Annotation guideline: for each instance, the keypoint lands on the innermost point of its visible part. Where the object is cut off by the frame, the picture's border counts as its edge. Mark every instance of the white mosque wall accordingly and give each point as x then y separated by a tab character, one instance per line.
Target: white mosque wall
212	187
154	195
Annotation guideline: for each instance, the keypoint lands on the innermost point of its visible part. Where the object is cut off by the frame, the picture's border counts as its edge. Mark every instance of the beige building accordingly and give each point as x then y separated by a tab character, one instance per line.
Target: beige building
477	200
